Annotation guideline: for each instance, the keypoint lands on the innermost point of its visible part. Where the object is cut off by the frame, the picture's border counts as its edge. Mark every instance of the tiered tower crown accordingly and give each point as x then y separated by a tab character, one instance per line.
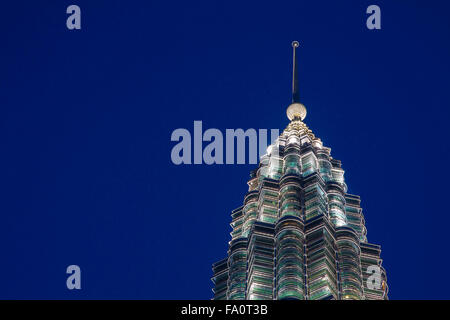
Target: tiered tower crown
299	234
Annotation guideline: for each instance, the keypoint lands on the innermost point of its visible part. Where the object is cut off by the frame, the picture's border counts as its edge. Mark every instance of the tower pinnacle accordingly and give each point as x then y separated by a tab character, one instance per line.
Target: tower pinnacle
295	91
296	110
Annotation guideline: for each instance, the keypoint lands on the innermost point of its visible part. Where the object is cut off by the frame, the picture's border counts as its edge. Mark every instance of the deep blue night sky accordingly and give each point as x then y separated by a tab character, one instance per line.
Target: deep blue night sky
86	118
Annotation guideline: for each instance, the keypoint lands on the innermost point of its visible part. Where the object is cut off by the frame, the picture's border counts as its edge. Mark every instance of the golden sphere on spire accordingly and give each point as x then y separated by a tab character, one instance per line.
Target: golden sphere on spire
296	110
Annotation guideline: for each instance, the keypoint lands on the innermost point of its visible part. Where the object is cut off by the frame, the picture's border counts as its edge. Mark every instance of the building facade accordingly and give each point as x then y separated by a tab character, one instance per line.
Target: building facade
299	234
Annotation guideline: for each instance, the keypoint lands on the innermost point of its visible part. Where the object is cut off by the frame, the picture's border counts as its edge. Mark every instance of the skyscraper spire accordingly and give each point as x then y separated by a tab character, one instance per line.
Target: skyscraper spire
296	111
295	91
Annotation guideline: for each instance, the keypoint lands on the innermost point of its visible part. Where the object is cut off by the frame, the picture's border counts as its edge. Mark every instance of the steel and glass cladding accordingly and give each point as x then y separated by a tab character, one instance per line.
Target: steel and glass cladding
299	234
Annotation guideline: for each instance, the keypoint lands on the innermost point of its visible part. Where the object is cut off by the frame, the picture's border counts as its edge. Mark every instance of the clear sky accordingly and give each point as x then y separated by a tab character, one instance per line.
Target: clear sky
86	117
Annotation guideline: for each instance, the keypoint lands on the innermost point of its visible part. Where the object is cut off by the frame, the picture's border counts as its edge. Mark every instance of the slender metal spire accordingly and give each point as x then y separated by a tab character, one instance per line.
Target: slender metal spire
295	91
296	111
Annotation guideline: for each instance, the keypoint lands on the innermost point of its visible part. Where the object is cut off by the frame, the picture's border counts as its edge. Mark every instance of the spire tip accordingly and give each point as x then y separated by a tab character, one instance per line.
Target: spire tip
296	110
